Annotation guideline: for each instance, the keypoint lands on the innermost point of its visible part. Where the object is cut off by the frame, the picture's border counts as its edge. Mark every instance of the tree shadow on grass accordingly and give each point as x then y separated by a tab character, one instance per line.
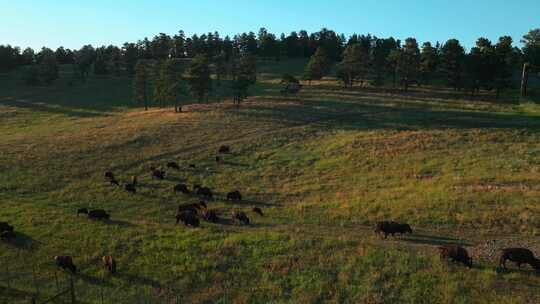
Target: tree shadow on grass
423	239
137	279
23	241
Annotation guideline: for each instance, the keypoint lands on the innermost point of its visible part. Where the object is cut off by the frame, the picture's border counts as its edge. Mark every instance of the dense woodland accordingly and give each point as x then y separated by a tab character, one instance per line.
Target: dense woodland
165	67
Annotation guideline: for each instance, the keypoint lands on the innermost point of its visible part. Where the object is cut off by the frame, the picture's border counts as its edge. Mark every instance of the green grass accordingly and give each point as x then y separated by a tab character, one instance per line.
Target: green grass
324	166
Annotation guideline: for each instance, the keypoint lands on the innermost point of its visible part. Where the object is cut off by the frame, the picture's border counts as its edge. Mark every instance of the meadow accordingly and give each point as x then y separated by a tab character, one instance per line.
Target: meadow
324	166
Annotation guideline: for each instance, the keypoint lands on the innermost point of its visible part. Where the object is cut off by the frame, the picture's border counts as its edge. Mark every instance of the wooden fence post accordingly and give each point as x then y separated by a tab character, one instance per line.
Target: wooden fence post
72	290
524	79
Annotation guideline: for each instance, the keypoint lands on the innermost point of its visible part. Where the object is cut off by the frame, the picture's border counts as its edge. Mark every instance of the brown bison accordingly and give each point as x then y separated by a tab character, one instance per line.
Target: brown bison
456	254
173	165
392	228
109	263
210	216
258	211
234	196
5	227
65	262
204	192
181	188
109	175
240	217
224	150
98	214
82	211
130	188
519	256
158	174
188	218
7	235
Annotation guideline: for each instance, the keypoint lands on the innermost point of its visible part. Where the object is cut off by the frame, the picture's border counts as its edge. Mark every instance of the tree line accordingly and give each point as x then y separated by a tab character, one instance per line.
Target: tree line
357	58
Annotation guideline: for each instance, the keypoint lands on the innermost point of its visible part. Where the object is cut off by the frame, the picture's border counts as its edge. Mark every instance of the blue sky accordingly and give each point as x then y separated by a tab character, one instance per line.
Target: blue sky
74	23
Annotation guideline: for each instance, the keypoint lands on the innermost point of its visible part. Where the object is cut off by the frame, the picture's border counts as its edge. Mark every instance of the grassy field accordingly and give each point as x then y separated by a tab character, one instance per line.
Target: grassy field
324	166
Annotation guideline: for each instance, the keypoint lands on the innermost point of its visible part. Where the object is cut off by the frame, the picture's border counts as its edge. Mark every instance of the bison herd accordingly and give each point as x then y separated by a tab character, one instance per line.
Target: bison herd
191	215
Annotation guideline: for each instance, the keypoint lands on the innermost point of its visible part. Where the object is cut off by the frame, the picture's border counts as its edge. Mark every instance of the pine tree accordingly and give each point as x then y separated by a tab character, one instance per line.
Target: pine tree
200	83
244	74
141	84
452	60
429	59
354	65
169	84
408	63
318	66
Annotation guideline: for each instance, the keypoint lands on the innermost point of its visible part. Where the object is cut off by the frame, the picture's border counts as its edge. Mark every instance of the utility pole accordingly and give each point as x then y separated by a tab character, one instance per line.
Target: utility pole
524	79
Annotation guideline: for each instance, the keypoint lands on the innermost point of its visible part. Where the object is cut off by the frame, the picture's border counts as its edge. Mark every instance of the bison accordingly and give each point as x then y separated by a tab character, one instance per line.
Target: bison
109	263
7	235
210	216
98	214
181	188
173	165
193	208
65	262
188	218
258	211
240	217
519	256
158	174
5	227
224	150
392	228
456	254
204	192
130	188
234	196
82	211
114	182
109	175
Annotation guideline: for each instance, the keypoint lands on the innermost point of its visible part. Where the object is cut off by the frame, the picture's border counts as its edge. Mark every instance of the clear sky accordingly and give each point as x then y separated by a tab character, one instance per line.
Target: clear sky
74	23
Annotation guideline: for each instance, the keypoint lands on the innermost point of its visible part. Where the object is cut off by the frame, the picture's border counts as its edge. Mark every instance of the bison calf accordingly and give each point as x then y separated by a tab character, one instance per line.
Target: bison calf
65	262
234	196
456	254
181	188
109	263
519	256
224	150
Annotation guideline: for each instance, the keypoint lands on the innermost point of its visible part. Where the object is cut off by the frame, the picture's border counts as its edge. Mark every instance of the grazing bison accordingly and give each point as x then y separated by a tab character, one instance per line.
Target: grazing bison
234	196
7	235
192	166
130	188
82	211
241	217
109	175
158	174
109	263
392	228
192	208
98	214
5	227
519	256
456	254
114	182
204	192
173	165
65	262
181	188
188	218
210	216
224	150
258	211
